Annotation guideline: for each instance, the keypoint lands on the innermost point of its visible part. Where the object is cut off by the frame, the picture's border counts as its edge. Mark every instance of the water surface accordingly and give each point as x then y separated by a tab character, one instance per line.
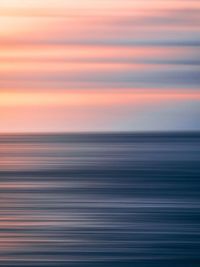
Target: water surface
100	200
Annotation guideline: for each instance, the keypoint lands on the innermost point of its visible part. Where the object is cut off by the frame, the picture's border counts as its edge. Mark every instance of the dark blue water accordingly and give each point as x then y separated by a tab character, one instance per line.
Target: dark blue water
100	200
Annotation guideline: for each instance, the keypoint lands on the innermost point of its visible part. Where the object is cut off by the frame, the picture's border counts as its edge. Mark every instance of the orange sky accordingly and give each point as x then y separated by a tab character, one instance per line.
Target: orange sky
99	65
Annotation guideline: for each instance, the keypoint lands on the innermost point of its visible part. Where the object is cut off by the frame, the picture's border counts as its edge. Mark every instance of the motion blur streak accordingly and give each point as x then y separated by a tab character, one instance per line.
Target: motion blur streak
100	200
88	178
51	48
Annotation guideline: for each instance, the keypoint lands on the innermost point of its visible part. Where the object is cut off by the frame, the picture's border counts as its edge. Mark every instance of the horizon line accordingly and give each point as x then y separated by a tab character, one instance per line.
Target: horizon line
98	132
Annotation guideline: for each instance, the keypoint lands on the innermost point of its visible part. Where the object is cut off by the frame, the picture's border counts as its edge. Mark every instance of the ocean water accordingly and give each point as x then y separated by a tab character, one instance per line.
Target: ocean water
100	200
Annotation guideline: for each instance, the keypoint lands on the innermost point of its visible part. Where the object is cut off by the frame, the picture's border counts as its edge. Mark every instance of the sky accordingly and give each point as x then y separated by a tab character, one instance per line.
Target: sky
99	65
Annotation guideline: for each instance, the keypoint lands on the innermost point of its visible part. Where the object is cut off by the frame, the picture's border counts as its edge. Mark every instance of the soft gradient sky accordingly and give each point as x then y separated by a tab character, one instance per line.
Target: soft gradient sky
99	65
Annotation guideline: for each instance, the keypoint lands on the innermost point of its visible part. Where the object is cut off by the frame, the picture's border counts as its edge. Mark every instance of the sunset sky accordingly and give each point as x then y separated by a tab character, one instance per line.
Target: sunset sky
99	65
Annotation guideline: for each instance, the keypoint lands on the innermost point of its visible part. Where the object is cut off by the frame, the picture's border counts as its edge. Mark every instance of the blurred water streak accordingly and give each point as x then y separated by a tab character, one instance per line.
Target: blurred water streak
100	200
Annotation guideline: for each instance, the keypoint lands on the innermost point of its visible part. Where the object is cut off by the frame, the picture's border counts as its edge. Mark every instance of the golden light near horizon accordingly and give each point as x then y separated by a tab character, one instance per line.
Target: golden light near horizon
88	98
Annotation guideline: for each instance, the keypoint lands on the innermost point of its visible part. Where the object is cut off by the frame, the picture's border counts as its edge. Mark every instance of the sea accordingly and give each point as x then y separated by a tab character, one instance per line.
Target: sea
100	199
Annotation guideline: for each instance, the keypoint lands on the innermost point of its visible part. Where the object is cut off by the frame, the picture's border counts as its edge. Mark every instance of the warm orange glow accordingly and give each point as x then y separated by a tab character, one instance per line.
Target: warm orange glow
97	64
89	98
